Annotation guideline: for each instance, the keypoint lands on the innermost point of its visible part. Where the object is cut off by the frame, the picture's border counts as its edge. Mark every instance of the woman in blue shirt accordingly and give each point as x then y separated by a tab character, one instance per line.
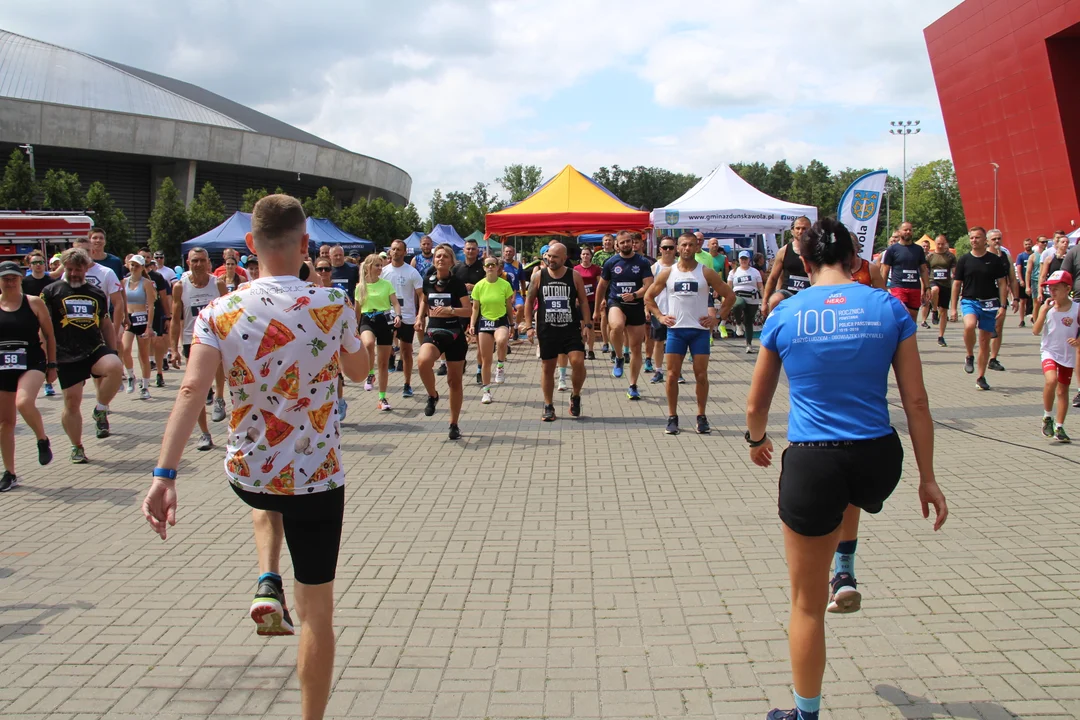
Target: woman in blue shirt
836	342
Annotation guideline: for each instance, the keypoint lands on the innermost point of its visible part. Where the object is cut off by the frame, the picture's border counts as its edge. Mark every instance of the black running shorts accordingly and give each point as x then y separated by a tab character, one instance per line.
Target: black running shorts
379	325
657	330
74	373
451	343
944	296
819	480
312	529
406	333
634	312
554	343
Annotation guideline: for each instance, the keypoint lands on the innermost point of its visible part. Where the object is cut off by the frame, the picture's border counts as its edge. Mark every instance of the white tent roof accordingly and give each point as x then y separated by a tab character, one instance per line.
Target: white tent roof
724	202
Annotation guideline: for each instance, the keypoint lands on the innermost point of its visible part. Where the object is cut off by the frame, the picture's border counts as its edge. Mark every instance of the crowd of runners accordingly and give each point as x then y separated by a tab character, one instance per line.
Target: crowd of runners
284	331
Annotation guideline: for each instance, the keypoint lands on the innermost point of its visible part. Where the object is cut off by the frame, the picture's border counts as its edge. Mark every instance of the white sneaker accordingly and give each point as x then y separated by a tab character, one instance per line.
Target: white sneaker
205	442
739	331
486	400
500	375
130	385
563	387
219	410
144	393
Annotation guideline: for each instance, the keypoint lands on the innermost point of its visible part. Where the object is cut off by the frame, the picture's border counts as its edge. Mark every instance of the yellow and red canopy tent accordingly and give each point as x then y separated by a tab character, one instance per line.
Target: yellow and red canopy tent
568	204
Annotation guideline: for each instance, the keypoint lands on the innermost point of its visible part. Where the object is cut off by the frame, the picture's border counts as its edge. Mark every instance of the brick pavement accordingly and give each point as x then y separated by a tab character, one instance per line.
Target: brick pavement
505	576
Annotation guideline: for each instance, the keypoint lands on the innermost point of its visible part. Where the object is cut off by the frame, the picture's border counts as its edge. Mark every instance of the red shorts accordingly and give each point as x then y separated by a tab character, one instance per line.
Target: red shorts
1064	374
911	297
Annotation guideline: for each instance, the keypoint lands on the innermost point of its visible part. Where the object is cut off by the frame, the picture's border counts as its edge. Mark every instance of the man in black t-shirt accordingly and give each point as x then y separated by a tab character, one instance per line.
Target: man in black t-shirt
979	284
84	337
470	272
344	276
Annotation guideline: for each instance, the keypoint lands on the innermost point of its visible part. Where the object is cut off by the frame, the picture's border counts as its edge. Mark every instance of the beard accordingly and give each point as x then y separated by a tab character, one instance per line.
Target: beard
76	283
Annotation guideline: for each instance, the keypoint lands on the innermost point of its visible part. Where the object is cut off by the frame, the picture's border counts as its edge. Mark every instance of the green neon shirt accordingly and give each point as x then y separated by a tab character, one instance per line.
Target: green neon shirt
492	297
378	296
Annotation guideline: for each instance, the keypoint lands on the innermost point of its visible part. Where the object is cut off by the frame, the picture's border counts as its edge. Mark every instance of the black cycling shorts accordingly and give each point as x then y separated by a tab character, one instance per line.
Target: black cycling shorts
634	312
451	343
406	333
563	341
312	529
74	373
657	330
379	325
819	480
944	296
159	324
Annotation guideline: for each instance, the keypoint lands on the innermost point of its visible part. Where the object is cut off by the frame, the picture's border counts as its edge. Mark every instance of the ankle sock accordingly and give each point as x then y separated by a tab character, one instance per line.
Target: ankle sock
101	408
273	577
382	396
808	707
1058	426
500	364
1047	414
562	373
844	559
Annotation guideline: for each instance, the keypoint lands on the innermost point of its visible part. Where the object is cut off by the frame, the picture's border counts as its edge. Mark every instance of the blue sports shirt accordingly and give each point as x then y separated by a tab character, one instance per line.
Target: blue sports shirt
625	275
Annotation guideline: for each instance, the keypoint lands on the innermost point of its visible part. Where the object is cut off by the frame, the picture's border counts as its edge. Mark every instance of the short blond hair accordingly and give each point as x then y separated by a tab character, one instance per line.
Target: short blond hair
277	221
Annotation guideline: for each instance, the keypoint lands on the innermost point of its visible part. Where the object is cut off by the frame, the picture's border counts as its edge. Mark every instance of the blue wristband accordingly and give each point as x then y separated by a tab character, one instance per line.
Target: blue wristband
164	473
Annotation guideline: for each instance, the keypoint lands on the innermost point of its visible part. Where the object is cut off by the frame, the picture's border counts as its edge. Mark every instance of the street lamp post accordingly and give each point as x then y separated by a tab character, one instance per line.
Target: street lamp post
903	128
996	168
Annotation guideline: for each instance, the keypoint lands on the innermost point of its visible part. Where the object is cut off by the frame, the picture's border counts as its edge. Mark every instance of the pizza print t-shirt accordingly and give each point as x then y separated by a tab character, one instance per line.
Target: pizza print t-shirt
280	340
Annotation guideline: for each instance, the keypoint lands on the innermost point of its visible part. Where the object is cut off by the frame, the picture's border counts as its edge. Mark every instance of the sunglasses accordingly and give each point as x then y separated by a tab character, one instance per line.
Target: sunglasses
487	265
322	269
667	247
37	262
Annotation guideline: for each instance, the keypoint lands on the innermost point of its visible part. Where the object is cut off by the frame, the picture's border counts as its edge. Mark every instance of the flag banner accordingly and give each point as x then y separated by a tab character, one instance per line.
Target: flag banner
860	207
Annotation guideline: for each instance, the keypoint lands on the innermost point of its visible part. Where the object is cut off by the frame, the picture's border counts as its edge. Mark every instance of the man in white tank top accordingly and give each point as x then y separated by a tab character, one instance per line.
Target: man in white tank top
690	318
191	293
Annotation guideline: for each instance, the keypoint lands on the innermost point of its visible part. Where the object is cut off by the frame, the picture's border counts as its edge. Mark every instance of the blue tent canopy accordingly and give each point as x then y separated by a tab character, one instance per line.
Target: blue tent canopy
324	232
229	234
412	243
446	234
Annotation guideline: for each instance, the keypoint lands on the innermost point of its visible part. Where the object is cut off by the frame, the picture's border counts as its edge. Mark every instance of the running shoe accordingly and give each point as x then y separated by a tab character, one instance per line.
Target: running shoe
384	405
455	432
1022	324
681	380
51	391
776	714
982	384
658	377
130	385
205	442
925	325
626	356
500	375
605	348
672	425
632	393
936	318
941	342
441	371
486	400
1060	436
269	612
749	350
219	410
614	357
1048	427
549	413
153	364
144	393
1076	401
591	355
723	331
164	363
160	380
562	384
44	452
479	377
342	409
369	383
616	372
101	422
400	366
995	365
78	455
739	332
429	409
845	597
210	397
391	366
649	366
969	364
406	391
8	481
703	427
575	406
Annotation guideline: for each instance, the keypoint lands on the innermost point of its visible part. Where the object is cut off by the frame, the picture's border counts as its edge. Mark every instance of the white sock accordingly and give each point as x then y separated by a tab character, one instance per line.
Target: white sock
1046	414
145	382
101	407
1058	426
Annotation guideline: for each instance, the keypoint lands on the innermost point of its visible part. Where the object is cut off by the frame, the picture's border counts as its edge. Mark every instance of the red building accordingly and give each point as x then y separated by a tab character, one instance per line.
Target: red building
1008	77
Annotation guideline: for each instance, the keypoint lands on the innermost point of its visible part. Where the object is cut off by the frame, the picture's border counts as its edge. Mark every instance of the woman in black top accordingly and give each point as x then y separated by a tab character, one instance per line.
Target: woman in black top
23	366
446	305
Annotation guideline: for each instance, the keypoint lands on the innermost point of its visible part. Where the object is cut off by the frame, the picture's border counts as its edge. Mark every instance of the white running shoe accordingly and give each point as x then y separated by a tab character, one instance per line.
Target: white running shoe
739	331
500	375
563	387
131	384
144	393
486	400
205	442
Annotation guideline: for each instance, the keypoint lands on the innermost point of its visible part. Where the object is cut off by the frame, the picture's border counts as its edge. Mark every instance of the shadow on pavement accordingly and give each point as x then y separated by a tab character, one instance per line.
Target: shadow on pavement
913	707
70	495
34	625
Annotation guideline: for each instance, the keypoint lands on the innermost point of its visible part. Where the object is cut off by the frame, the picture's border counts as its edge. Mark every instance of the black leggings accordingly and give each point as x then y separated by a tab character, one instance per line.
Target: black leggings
745	313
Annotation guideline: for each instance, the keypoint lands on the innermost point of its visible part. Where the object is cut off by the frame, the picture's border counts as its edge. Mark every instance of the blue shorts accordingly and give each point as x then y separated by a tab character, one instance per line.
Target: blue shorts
986	316
518	301
679	340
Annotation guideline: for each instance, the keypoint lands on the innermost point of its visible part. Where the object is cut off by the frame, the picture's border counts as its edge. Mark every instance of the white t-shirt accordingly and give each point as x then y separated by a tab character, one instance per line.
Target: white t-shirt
280	340
744	282
406	281
101	277
1049	253
168	273
1060	327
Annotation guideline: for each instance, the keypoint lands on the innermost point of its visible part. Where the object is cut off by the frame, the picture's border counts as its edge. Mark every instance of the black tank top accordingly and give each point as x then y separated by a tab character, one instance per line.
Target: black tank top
20	347
557	307
794	270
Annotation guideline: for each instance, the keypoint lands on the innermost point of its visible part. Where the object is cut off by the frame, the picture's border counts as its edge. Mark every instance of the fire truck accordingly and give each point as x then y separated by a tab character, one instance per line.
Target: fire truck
51	232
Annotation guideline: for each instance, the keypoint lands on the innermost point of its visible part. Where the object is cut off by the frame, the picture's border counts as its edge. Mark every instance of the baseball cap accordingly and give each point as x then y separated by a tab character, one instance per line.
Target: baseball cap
137	258
10	267
1061	277
543	250
745	254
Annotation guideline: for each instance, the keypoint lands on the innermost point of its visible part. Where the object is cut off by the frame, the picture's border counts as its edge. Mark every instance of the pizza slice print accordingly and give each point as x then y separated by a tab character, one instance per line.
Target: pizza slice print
240	373
238	415
224	322
320	416
276	337
237	465
326	316
288	385
283	483
329	372
276	428
328	469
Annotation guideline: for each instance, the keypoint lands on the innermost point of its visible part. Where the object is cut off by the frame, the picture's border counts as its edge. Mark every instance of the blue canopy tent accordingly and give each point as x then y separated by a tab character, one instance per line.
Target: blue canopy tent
446	234
229	234
412	243
323	232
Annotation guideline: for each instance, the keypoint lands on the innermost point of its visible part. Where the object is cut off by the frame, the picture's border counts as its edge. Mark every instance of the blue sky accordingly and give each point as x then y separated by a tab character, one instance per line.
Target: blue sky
454	90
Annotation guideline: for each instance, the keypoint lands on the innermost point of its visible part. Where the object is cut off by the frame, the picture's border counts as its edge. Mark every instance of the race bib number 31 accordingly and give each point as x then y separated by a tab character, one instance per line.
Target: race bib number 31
686	287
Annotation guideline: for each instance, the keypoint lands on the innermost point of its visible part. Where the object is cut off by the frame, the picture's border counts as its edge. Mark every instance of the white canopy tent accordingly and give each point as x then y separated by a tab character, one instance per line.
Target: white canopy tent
724	202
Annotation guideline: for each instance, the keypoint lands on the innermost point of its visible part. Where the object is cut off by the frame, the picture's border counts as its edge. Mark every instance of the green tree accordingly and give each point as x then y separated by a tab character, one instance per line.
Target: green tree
778	183
962	245
168	220
252	196
481	203
18	189
62	191
521	180
933	200
323	205
643	187
206	212
448	210
409	219
756	173
111	219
